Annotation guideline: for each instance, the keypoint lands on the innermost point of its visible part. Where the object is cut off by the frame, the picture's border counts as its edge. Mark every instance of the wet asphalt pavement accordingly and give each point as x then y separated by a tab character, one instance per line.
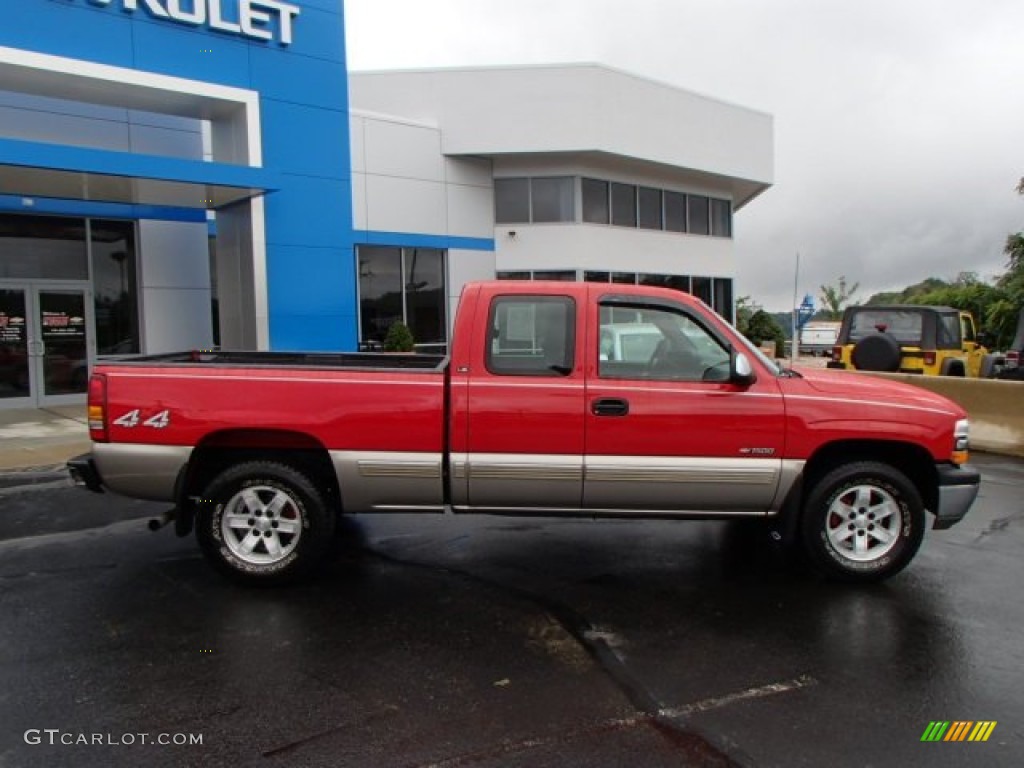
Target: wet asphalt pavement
441	641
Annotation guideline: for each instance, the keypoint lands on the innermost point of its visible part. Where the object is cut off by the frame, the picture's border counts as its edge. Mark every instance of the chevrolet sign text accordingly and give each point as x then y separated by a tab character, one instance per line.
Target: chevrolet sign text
257	19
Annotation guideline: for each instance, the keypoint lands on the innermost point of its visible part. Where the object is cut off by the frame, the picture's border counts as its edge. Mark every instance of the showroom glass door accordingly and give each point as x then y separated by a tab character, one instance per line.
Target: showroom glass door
62	345
15	374
45	345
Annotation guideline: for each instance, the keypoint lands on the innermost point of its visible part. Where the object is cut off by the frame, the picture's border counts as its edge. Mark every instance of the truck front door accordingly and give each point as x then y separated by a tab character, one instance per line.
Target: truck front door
666	430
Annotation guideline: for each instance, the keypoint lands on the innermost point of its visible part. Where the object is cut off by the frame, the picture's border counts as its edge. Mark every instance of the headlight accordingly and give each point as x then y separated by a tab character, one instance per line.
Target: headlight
961	443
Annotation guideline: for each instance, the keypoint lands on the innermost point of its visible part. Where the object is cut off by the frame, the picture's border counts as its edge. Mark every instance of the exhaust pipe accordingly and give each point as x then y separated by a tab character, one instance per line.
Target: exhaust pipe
159	522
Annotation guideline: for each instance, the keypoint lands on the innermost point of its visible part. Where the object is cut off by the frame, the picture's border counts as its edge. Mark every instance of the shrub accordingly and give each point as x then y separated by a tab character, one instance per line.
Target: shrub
399	338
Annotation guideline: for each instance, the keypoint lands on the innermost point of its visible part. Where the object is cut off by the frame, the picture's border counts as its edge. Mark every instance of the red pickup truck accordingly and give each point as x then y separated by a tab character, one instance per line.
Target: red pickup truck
557	399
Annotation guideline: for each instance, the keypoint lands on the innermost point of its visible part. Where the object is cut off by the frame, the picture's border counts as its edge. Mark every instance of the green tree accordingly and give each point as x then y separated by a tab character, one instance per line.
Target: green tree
399	338
745	308
835	298
763	327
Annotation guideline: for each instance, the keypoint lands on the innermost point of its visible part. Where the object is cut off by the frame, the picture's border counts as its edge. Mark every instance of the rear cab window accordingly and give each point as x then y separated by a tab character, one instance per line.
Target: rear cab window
531	336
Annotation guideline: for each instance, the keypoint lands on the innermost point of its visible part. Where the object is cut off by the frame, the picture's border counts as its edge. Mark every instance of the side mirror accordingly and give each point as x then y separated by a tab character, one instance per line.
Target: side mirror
740	369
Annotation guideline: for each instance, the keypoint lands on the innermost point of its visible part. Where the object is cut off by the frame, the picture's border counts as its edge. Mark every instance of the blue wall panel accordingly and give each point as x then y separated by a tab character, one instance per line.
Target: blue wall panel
174	49
310	211
304	117
304	290
304	140
75	30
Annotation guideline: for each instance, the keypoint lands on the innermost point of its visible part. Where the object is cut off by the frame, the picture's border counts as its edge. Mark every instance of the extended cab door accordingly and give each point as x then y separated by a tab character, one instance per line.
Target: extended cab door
517	442
666	430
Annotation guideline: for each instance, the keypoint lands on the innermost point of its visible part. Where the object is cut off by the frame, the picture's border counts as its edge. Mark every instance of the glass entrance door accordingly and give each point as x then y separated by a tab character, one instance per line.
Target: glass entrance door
45	345
14	360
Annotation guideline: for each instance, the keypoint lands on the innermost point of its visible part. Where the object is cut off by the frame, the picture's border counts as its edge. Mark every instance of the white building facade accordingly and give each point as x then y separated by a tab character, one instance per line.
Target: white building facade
576	172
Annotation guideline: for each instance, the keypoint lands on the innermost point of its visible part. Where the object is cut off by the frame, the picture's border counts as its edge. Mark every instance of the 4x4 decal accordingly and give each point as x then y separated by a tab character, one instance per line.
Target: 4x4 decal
134	418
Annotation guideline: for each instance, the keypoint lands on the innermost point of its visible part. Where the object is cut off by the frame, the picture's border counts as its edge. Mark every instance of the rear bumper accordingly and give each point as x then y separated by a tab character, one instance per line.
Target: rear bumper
83	472
958	488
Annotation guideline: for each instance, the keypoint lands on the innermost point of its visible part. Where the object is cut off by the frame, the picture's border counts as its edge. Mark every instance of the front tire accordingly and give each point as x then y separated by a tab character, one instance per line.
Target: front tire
862	522
264	523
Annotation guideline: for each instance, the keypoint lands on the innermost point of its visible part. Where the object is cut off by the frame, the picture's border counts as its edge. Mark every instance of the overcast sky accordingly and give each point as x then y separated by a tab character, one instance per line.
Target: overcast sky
899	124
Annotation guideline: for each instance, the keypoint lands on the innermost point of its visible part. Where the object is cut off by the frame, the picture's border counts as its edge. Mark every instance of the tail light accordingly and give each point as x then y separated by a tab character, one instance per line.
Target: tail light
98	408
929	356
1012	359
837	354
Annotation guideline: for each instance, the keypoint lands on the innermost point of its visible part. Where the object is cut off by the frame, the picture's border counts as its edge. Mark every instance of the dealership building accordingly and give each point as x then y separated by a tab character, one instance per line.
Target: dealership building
179	174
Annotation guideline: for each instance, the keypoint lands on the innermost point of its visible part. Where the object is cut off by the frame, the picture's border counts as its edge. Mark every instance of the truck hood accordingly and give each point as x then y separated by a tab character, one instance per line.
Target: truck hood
854	386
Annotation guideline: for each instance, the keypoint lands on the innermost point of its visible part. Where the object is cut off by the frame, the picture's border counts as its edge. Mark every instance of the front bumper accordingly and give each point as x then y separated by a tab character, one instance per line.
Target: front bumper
83	472
958	488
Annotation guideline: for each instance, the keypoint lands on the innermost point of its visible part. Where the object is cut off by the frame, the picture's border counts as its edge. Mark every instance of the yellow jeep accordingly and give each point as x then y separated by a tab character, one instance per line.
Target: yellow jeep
934	341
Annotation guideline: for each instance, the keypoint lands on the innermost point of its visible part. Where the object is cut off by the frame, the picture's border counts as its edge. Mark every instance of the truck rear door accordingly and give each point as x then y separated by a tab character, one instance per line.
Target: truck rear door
517	441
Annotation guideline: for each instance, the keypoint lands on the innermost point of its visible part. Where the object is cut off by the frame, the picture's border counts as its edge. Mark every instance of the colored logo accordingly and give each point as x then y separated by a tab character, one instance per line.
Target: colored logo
958	730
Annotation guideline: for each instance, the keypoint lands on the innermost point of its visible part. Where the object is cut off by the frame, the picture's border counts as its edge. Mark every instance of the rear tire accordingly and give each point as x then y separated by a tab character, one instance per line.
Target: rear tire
264	523
862	523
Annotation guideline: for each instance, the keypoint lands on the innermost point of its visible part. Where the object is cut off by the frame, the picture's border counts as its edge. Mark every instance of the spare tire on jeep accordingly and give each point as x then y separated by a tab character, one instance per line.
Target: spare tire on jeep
877	352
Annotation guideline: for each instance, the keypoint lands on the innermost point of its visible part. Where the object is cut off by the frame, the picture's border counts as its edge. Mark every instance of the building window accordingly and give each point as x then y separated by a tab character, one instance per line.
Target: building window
697	214
115	286
649	208
42	247
721	218
401	285
623	205
425	295
552	199
723	298
595	201
532	336
675	211
541	200
675	282
561	275
512	201
702	290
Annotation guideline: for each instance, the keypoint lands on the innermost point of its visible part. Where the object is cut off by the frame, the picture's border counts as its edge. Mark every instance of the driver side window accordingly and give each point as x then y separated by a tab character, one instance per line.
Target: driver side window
658	344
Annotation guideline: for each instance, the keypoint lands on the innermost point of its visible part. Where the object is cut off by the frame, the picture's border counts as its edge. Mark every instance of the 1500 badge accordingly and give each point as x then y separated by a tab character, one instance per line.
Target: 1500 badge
134	419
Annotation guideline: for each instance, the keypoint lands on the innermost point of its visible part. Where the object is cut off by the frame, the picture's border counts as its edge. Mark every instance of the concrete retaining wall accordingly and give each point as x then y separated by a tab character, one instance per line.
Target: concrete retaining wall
996	408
